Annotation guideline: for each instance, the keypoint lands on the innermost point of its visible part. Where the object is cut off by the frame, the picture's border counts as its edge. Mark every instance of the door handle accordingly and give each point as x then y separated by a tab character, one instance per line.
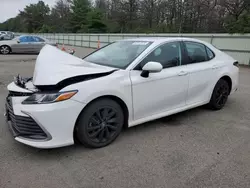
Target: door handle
182	73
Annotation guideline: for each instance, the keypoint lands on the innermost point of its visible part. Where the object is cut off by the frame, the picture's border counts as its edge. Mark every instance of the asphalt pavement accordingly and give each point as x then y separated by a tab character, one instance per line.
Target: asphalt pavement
198	148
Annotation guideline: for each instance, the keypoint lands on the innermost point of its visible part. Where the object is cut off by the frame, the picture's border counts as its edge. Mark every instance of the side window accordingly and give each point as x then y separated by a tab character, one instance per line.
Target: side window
23	39
196	52
38	39
35	39
30	39
210	54
169	55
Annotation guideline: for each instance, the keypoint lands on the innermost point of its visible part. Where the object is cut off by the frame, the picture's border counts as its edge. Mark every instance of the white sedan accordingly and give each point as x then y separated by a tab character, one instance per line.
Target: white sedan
123	84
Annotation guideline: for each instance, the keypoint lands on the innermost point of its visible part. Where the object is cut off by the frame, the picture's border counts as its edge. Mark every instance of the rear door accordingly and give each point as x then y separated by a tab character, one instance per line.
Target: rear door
31	45
202	68
39	43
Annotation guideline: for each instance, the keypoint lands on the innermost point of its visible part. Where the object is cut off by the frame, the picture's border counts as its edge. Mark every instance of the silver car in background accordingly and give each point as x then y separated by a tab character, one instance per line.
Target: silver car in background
24	44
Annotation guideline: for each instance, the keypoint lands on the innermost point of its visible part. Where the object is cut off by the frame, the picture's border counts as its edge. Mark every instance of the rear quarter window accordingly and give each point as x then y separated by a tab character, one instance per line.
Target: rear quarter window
210	53
196	52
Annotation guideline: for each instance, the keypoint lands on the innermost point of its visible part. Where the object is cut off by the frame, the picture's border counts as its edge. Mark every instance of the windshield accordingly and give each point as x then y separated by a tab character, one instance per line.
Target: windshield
118	54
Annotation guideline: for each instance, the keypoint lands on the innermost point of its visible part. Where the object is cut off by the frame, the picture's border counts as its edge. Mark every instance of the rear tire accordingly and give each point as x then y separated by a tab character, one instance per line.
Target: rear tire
100	123
5	50
220	95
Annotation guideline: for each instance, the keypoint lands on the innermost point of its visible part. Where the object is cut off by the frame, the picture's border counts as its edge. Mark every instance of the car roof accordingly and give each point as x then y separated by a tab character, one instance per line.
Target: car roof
29	36
161	39
25	36
33	36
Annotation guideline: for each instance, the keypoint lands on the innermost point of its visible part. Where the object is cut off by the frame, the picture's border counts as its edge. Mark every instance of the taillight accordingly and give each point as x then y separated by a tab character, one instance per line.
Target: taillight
236	63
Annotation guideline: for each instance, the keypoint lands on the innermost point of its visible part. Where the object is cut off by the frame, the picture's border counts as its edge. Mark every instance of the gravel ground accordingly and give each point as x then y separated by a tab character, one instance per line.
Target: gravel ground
197	148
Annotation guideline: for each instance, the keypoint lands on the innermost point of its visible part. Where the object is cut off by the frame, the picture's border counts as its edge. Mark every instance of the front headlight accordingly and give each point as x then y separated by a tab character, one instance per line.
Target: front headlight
44	98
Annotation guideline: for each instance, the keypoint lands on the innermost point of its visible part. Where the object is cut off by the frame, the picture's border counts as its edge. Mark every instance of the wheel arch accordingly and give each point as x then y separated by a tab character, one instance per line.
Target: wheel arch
112	97
225	77
228	80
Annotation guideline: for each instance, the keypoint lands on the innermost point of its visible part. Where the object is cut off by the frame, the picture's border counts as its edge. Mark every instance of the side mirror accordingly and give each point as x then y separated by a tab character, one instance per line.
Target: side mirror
18	41
151	67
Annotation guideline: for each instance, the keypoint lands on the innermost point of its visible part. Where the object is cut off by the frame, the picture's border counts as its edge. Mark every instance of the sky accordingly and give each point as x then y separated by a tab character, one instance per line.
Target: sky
10	8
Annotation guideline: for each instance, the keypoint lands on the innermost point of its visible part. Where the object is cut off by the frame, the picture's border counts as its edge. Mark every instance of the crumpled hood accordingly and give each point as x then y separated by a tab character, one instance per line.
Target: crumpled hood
54	65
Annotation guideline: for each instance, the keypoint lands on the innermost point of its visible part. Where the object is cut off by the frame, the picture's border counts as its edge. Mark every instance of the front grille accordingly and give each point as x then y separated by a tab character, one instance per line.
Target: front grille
23	126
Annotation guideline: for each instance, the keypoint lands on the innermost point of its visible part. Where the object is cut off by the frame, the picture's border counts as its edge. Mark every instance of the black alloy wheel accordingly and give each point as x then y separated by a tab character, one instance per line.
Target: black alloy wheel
100	123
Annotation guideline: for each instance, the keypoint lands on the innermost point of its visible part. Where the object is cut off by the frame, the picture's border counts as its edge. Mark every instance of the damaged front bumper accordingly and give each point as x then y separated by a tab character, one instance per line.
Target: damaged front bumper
40	125
23	126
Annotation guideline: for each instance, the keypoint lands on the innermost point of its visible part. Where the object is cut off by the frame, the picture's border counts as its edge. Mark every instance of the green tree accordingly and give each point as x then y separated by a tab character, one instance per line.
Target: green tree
79	20
45	29
60	16
241	25
35	16
140	16
95	22
13	24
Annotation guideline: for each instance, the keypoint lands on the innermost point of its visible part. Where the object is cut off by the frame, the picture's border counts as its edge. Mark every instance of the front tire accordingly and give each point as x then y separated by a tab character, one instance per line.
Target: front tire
100	123
220	95
5	50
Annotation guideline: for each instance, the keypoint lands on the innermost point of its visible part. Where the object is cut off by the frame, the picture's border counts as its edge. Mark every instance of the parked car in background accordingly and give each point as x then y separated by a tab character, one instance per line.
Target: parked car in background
123	84
6	35
24	44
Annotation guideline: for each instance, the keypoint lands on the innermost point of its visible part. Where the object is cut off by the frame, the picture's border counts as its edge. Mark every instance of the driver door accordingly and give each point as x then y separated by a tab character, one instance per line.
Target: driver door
163	91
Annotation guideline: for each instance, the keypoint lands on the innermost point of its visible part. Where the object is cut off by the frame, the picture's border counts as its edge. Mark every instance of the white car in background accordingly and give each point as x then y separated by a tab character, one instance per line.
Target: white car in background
124	84
6	35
